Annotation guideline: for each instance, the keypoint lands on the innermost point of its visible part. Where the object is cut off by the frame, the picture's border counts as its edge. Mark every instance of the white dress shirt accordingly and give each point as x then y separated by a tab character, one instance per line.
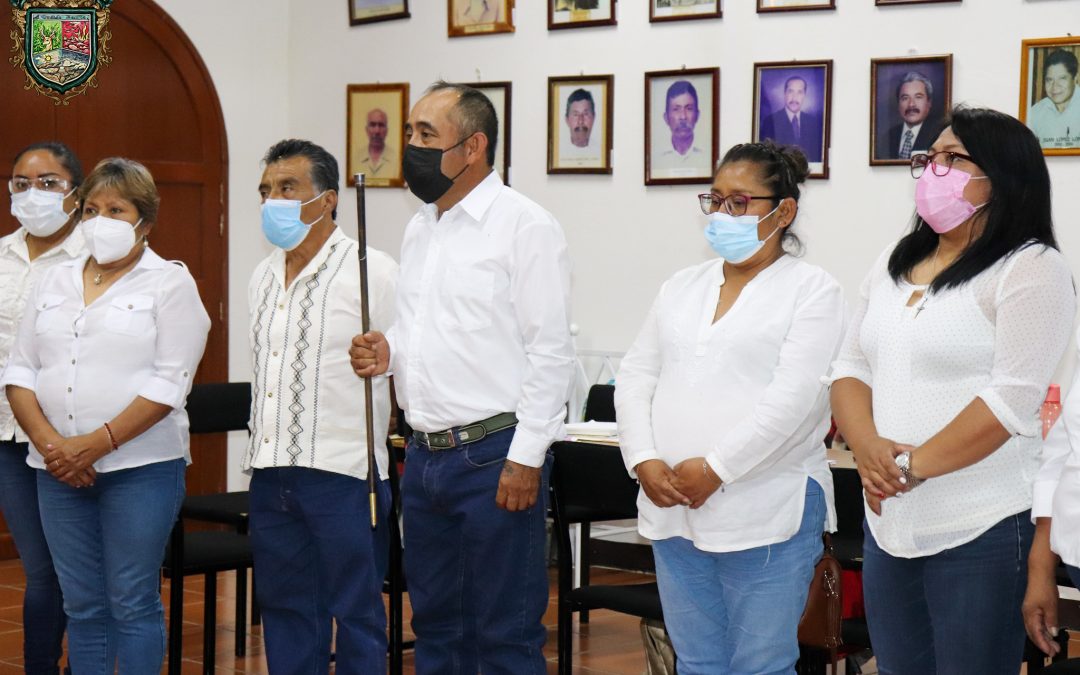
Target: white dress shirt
483	318
744	392
307	403
1057	485
18	274
999	337
144	336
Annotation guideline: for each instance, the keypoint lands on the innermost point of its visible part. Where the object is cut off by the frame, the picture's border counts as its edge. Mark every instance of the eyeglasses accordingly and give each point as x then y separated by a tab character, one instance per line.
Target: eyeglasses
940	162
733	205
46	183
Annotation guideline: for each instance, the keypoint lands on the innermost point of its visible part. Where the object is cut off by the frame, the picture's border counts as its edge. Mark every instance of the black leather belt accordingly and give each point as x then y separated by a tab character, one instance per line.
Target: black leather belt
469	433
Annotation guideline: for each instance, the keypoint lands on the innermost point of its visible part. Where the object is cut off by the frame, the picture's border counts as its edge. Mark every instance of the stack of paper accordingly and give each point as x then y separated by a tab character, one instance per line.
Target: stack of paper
593	432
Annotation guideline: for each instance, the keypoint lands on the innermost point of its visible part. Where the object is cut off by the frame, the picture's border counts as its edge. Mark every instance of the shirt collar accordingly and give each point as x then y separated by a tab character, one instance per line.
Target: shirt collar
913	129
277	258
73	245
481	197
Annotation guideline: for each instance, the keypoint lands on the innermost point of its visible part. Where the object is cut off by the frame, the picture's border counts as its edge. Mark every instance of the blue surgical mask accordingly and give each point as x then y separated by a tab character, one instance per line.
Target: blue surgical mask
734	238
281	221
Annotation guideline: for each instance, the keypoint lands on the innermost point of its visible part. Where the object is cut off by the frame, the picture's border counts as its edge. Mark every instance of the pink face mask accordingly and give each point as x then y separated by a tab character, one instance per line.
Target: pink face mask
940	199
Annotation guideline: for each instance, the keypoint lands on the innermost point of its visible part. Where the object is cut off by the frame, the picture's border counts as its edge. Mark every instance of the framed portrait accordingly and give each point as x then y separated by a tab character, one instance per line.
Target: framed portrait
370	11
682	122
580	123
1050	93
909	100
683	10
792	106
499	95
764	6
375	133
909	2
580	13
479	17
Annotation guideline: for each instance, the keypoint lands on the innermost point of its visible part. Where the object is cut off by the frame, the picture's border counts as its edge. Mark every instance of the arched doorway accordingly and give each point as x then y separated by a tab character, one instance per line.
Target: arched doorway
157	104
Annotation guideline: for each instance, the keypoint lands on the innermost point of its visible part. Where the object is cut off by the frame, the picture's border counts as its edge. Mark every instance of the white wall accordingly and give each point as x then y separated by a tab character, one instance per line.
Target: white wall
281	69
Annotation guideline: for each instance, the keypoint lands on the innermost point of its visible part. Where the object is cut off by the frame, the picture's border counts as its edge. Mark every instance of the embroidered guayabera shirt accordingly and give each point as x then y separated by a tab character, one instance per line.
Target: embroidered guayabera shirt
307	403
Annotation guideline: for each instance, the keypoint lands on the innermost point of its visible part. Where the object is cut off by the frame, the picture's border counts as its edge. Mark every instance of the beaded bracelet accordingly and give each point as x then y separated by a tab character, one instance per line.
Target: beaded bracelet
112	439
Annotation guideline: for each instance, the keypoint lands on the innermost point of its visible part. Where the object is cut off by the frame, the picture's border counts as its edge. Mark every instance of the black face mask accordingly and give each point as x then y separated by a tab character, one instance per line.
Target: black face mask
423	172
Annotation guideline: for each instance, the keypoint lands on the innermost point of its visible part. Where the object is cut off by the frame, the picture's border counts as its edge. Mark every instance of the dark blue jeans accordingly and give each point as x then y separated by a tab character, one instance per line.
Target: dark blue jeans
317	560
476	573
954	612
43	603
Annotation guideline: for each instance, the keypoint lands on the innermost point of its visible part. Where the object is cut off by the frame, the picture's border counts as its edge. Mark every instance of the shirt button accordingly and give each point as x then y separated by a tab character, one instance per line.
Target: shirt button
275	353
281	306
266	440
72	361
270	395
70	417
69	390
185	373
130	307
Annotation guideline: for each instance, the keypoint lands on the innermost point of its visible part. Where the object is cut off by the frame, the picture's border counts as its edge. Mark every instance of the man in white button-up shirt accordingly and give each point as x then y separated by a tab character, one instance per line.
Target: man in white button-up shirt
482	360
316	556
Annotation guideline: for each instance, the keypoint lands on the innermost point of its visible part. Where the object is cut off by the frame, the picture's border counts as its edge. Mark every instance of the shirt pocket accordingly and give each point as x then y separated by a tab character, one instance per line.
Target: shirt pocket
130	315
50	314
469	298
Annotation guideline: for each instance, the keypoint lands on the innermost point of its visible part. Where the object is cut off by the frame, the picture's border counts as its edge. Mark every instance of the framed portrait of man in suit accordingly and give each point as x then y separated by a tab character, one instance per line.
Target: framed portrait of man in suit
792	106
909	100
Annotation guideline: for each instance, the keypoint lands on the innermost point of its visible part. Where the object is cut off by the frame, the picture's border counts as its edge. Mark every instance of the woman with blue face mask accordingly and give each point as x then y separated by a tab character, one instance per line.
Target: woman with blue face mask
43	186
722	418
960	326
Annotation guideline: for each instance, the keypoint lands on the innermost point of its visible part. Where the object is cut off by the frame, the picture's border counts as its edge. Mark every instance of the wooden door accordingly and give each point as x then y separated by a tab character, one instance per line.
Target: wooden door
155	103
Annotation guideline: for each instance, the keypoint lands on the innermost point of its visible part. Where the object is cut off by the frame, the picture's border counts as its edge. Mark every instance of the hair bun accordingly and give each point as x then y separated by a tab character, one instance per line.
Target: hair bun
795	159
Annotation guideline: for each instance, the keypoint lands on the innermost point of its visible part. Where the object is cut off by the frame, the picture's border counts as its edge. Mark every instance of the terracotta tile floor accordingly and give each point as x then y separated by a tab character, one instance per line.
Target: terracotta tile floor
609	645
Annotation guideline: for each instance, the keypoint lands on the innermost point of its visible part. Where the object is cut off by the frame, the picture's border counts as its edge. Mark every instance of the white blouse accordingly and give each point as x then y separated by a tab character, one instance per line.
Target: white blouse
144	337
999	337
745	392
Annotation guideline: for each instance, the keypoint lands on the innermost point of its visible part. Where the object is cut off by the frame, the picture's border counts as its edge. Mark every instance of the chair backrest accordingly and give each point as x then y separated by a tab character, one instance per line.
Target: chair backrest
590	483
848	493
600	404
219	406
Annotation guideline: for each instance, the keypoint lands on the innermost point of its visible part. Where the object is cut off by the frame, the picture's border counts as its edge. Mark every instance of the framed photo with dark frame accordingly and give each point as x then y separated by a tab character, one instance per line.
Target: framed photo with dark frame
684	10
372	11
682	126
580	115
375	132
764	6
465	18
793	106
910	98
580	13
909	2
1050	93
499	95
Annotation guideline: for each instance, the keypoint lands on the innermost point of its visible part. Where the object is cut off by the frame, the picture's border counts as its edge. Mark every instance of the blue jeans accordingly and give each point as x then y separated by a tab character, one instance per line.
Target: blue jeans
738	612
317	560
476	573
953	612
108	542
43	604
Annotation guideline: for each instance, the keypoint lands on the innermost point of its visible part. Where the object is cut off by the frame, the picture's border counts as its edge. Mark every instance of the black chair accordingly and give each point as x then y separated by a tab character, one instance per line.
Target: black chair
600	403
590	484
212	408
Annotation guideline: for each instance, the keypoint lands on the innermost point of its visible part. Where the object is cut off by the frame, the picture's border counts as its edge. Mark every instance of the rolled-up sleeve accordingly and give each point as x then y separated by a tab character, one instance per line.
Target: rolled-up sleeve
182	328
639	372
1035	305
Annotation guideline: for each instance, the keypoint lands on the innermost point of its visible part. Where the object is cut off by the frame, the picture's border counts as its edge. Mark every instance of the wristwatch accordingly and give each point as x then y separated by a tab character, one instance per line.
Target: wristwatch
903	462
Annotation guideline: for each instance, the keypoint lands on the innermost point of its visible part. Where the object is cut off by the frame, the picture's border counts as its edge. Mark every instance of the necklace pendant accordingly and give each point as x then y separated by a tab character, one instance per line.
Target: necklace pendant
97	279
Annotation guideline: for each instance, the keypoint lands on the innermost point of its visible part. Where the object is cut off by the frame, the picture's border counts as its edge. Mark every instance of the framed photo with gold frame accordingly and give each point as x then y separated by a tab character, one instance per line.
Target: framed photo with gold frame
375	132
684	10
1050	93
682	124
793	106
580	13
465	18
580	121
764	6
910	98
372	11
499	95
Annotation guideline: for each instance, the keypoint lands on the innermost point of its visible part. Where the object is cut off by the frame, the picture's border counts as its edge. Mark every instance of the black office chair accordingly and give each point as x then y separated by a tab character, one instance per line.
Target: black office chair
590	484
600	403
212	408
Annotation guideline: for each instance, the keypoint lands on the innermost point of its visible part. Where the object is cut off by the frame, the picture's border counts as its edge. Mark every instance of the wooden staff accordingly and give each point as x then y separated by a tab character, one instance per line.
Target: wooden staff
365	326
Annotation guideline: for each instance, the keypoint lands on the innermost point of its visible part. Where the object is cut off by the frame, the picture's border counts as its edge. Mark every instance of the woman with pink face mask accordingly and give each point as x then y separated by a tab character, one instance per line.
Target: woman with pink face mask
960	328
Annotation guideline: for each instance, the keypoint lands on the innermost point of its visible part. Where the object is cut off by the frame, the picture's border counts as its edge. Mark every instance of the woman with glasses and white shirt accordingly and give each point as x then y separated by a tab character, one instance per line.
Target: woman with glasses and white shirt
722	418
43	185
101	368
960	327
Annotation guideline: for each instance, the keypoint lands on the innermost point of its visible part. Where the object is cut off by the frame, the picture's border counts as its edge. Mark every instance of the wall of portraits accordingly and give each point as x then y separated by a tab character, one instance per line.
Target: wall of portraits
288	74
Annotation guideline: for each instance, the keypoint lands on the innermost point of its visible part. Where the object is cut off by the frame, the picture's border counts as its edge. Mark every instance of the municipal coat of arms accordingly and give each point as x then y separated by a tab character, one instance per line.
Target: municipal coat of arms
60	44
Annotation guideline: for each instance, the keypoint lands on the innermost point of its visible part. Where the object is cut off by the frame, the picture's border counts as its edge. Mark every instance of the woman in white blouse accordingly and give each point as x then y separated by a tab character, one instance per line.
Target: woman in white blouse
101	368
722	417
960	327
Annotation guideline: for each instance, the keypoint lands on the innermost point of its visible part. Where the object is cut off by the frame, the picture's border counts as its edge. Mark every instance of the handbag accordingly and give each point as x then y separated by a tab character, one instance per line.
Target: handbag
820	623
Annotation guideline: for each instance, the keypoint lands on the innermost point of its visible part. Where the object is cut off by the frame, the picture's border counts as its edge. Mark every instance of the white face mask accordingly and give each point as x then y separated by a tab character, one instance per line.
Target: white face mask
41	212
108	239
